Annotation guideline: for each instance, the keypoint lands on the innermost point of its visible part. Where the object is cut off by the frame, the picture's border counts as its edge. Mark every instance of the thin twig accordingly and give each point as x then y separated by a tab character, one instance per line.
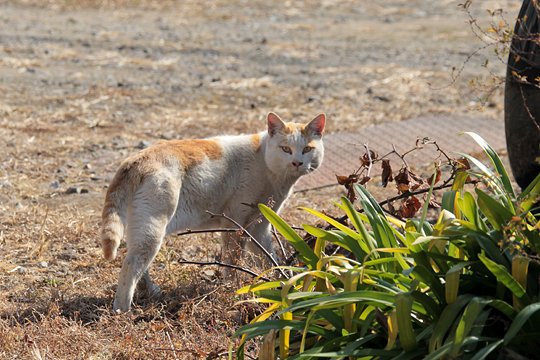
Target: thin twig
259	245
172	345
203	297
218	263
370	160
274	231
189	231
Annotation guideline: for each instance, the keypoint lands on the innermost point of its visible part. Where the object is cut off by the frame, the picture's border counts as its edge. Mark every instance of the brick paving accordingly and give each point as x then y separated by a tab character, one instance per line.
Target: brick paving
342	150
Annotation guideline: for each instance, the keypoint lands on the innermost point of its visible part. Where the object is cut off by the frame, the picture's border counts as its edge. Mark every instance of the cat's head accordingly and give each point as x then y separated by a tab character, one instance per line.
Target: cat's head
294	149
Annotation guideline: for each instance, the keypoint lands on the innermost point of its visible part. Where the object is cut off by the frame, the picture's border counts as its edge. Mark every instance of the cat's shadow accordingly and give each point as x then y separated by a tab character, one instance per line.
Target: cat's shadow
88	310
85	309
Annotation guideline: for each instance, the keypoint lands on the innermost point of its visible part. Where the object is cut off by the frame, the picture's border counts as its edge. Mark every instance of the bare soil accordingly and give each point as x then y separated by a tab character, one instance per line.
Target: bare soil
85	83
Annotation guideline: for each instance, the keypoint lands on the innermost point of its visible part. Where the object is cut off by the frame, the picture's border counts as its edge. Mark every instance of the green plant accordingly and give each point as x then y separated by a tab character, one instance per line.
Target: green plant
465	287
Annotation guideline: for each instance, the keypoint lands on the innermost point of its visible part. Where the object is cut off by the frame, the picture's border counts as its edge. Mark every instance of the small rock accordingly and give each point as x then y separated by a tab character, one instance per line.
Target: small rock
143	144
382	98
5	184
209	274
87	166
43	264
76	190
55	185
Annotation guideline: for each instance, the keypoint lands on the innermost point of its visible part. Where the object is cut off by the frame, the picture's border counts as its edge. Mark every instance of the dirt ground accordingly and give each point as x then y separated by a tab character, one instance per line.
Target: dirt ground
85	83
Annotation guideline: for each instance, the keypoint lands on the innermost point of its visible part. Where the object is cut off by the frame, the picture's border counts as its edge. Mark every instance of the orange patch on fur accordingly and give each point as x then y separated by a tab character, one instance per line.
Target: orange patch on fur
312	143
189	152
305	131
291	127
135	168
256	142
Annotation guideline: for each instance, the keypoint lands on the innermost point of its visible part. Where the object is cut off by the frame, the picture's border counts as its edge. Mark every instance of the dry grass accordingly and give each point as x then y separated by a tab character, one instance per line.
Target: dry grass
83	83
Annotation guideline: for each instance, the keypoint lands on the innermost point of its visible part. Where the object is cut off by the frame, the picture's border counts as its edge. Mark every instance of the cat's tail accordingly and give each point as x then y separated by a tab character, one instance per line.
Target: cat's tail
114	211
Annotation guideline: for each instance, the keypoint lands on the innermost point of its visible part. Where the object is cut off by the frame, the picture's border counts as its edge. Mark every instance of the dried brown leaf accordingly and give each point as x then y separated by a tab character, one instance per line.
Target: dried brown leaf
409	207
463	164
436	175
364	180
402	180
351	194
391	208
365	159
347	181
403	177
386	172
342	179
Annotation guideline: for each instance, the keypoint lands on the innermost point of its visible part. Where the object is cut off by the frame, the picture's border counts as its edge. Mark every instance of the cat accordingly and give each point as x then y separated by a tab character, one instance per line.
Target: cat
172	186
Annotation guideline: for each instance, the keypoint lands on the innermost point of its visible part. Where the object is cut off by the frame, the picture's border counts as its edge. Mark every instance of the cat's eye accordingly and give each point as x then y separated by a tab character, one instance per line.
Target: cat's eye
307	149
286	149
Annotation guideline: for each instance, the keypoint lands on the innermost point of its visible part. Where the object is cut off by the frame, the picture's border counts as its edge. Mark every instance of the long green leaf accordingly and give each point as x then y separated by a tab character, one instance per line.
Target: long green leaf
334	223
342	299
357	223
406	334
467	205
448	202
520	320
261	328
306	253
383	233
468	319
529	196
496	160
347	343
492	179
445	349
446	320
497	214
503	276
485	351
358	248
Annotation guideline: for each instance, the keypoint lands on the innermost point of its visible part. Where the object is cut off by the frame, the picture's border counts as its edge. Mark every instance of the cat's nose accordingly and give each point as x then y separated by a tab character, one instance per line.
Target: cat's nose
297	164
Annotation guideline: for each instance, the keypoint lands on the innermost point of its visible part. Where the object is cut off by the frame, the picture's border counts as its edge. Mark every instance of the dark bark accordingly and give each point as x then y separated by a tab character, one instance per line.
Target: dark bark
522	96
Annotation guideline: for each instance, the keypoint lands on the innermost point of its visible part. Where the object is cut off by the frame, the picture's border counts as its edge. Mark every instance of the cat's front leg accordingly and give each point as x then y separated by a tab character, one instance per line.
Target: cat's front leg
261	232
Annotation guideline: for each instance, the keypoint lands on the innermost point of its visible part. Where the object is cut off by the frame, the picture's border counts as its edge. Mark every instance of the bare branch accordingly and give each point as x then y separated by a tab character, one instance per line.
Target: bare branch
188	231
218	263
244	231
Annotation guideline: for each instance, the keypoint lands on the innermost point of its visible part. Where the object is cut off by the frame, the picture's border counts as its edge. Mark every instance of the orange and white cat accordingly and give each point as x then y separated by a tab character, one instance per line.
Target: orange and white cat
171	186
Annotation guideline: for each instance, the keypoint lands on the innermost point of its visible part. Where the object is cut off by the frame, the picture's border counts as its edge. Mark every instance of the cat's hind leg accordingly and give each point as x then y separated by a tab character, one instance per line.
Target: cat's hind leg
152	208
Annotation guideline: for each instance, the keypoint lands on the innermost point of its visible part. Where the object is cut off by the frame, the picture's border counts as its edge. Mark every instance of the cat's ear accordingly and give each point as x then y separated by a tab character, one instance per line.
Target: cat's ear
316	126
275	124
